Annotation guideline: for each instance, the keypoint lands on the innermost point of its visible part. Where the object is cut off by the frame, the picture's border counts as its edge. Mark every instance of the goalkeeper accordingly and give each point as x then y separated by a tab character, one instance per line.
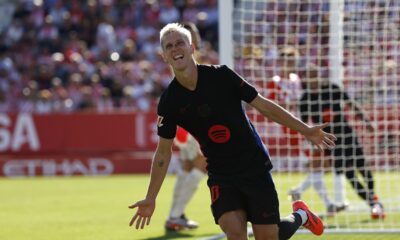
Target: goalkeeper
322	102
285	88
207	100
319	162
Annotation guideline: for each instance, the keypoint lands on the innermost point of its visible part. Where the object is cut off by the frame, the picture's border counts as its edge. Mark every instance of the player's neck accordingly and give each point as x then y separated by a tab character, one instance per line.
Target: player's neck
188	77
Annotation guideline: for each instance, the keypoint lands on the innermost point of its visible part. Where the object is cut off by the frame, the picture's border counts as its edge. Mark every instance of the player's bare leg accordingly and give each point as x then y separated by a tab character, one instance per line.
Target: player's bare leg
234	224
269	231
185	187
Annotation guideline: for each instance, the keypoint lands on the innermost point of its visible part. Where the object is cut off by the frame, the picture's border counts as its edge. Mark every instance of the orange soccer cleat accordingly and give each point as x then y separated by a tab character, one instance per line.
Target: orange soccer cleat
314	223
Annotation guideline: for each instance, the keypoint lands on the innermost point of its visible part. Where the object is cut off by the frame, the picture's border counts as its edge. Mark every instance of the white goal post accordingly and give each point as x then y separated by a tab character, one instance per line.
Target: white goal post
354	44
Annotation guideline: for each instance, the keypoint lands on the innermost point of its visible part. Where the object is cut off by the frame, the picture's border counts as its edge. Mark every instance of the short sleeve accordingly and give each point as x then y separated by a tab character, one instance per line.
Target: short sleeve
166	124
246	91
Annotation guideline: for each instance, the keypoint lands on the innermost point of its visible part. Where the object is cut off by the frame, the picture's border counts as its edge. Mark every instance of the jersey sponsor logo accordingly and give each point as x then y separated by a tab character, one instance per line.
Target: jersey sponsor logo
159	121
219	134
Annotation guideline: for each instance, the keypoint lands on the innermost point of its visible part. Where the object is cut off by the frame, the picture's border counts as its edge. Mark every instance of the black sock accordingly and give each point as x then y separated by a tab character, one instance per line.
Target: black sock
289	225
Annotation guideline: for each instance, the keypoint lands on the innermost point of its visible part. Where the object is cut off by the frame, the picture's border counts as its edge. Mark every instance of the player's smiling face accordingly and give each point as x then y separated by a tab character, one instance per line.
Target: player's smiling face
177	50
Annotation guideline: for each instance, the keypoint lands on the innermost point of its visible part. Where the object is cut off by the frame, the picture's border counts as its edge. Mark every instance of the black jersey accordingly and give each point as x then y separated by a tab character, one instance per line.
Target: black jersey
214	115
325	105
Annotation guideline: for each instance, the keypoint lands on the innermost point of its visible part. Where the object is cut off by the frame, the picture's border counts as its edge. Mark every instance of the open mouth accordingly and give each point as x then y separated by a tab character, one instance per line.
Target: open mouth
177	57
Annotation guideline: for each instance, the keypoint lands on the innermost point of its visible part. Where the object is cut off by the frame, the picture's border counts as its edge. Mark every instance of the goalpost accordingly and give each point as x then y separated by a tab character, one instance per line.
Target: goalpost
354	44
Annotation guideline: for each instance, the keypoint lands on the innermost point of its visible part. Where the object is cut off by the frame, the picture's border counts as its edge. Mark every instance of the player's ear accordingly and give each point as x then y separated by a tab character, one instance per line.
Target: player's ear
163	56
193	47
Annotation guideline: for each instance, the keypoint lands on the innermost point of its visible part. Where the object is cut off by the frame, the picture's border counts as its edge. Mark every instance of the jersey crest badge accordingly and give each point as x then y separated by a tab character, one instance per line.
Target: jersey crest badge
160	121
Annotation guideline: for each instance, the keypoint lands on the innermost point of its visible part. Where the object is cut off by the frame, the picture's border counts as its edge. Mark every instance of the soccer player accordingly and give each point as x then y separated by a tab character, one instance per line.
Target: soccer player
319	162
206	100
192	162
193	169
285	88
322	102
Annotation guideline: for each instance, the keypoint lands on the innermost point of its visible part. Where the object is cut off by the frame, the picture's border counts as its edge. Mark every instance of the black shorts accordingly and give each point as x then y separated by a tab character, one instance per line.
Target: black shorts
256	195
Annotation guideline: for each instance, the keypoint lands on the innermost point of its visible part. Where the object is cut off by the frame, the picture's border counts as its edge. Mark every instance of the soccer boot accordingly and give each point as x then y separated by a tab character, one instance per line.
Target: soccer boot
333	208
377	211
190	223
314	223
180	223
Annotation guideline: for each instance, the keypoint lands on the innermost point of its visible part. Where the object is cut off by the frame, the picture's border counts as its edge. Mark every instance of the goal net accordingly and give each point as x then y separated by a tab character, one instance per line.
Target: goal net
324	60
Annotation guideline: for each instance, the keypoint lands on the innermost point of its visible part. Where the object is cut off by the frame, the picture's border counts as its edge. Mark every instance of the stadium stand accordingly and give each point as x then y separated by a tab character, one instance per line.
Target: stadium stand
95	55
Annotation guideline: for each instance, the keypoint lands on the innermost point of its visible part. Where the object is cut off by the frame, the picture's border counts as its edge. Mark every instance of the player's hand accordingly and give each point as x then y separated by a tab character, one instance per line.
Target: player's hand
145	209
320	138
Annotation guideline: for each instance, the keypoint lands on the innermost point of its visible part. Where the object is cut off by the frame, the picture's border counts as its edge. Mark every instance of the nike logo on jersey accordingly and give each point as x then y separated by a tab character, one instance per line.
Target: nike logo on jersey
159	121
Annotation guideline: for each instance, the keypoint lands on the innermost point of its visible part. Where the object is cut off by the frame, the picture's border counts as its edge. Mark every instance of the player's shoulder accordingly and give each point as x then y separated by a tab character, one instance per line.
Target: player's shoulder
169	90
214	72
167	100
212	67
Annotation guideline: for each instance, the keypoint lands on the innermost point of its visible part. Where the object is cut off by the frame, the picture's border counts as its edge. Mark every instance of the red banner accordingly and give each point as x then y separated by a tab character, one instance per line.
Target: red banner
76	144
122	142
75	164
81	132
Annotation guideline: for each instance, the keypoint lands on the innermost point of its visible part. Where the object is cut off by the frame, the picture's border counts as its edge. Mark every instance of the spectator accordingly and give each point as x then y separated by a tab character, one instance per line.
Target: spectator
58	46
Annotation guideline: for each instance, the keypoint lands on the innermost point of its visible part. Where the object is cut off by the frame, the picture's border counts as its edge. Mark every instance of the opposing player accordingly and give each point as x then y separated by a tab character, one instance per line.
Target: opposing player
193	169
192	162
207	100
318	163
322	102
285	88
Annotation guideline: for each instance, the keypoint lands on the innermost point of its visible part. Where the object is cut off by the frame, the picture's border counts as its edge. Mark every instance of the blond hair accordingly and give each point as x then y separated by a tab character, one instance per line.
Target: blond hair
175	27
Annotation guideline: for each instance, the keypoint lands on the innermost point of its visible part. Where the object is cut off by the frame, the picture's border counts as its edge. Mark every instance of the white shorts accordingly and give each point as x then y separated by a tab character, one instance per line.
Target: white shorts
188	150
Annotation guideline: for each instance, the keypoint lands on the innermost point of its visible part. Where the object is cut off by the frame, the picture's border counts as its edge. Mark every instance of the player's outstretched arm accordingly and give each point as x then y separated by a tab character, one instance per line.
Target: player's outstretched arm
276	113
145	209
159	167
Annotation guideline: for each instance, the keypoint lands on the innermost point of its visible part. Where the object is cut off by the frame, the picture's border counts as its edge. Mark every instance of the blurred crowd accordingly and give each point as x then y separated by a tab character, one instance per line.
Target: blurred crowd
370	46
95	55
103	55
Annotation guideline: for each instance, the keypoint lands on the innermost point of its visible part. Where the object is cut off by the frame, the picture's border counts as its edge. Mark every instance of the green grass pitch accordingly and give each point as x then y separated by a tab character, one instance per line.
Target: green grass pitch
96	208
